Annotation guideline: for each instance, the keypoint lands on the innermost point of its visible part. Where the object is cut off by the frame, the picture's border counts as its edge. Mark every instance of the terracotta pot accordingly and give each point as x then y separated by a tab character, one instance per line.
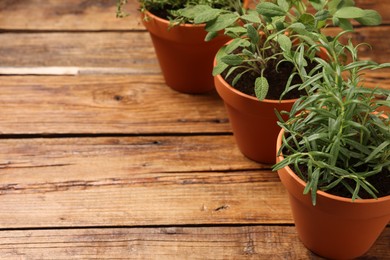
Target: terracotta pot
254	122
186	60
336	227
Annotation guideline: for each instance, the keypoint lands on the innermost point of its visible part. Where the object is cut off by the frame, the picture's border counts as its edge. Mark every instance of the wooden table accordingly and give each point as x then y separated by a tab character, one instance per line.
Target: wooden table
100	159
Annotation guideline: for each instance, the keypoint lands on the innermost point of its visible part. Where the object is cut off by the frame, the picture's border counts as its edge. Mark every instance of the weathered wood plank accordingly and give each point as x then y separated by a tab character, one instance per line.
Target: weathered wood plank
96	15
124	52
377	37
62	182
110	104
238	242
133	51
67	15
105	104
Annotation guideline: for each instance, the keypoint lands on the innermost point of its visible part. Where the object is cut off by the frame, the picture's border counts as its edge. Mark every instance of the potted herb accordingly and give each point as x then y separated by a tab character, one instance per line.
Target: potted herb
253	70
334	157
184	57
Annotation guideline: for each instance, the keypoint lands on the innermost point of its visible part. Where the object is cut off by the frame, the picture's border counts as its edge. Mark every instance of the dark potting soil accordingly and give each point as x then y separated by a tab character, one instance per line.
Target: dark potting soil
277	80
162	13
380	181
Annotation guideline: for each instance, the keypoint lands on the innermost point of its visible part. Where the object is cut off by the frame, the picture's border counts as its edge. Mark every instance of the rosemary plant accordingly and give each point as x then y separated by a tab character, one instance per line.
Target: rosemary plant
337	138
282	25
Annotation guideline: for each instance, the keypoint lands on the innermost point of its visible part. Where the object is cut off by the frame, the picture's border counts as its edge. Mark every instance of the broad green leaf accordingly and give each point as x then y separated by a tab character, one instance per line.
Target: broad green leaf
232	60
322	15
233	45
210	36
279	25
345	3
207	15
230	71
345	24
349	12
253	34
235	31
251	17
192	11
284	42
221	52
370	18
238	77
219	68
261	88
284	5
334	5
317	4
270	9
221	22
297	25
307	19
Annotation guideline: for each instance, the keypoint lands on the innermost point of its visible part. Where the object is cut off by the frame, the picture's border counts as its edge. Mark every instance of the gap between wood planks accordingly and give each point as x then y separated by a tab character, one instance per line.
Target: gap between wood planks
71	71
169	229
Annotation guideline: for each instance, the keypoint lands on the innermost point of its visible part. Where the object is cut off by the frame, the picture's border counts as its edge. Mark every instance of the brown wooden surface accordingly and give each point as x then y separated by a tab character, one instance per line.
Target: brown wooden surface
100	159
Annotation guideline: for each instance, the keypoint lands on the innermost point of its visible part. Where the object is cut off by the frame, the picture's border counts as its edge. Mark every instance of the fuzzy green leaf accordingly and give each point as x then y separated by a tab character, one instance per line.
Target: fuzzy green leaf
232	60
349	12
261	87
207	15
251	17
345	24
270	9
221	22
238	42
219	68
370	18
192	11
253	34
307	19
322	15
284	42
284	5
210	36
317	4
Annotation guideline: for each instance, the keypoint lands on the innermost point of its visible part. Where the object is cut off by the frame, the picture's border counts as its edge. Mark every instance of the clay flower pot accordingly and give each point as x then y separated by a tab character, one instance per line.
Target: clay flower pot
186	60
336	227
254	122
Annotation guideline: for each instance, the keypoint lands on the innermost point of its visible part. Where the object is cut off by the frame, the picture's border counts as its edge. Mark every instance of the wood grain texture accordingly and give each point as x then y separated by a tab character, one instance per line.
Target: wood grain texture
100	159
73	15
378	39
125	52
133	51
112	104
131	104
239	242
59	182
96	14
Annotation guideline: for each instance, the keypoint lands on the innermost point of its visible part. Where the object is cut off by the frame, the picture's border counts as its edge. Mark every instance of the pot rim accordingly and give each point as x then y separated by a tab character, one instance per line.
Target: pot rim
302	183
167	22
